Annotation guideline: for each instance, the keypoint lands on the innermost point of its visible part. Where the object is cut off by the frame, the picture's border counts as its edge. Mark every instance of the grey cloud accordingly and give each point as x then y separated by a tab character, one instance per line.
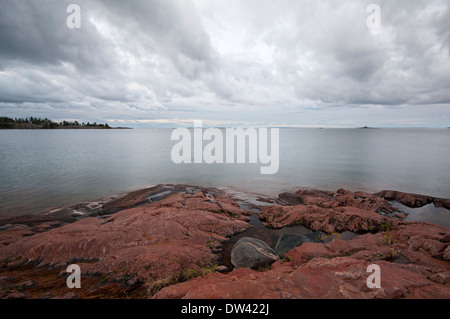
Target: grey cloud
170	27
36	32
240	61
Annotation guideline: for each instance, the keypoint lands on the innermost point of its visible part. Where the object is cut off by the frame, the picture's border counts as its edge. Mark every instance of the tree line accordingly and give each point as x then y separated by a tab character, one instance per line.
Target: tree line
37	122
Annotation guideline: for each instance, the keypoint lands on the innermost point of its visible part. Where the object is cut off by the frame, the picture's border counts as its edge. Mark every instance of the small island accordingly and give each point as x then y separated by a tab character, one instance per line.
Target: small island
39	123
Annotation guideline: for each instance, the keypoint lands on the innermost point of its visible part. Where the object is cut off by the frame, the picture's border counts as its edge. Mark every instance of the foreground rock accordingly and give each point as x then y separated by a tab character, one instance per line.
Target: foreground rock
411	267
166	242
153	244
414	257
252	253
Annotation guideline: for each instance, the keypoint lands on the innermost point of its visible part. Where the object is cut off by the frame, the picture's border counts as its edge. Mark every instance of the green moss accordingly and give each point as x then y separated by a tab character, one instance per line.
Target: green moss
288	259
326	236
388	239
198	272
154	285
264	268
385	226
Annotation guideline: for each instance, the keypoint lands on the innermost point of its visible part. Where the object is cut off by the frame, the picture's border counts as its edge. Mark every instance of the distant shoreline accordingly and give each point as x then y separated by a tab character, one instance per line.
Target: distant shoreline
32	123
67	128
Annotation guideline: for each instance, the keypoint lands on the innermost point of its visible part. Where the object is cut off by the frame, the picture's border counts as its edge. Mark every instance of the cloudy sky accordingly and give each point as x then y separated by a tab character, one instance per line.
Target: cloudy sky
164	63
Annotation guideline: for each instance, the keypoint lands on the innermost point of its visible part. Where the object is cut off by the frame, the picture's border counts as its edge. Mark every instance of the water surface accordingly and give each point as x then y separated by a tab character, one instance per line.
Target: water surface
41	169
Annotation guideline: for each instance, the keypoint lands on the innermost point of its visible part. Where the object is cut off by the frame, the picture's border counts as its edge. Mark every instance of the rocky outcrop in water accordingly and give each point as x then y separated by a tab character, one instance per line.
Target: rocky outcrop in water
413	200
167	242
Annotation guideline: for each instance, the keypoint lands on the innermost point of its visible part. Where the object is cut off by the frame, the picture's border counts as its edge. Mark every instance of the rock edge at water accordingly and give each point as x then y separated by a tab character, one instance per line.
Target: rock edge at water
166	242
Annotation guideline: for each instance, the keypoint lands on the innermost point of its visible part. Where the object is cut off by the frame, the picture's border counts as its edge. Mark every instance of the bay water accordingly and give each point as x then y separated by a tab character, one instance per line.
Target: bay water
42	169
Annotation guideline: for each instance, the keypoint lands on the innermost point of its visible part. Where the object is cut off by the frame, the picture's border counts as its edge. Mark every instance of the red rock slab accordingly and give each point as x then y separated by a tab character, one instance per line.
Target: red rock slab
329	220
413	200
337	269
412	262
341	277
12	233
153	241
341	197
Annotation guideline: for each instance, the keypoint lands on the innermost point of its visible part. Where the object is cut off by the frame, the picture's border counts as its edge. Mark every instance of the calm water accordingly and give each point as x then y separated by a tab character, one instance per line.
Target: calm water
41	169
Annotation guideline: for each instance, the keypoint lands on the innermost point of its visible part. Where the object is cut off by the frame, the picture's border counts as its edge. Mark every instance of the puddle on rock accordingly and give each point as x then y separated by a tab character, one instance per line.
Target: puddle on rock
427	213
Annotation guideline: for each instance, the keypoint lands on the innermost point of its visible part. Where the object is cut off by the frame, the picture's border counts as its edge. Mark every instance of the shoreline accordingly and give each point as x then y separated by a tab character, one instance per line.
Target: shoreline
113	203
172	240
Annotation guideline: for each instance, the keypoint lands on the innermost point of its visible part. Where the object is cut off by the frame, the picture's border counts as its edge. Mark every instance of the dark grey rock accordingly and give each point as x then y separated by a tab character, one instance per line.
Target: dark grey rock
288	241
347	235
158	196
252	253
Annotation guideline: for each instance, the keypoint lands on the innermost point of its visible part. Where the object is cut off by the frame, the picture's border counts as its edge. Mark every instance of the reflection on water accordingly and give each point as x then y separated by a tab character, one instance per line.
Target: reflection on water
427	213
41	169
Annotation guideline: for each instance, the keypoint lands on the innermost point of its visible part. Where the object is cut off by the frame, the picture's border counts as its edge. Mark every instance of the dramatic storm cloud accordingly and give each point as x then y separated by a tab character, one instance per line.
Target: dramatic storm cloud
253	62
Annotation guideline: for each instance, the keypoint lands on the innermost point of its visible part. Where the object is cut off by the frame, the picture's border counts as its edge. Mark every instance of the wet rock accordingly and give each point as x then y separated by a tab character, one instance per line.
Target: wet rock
410	200
413	200
252	253
441	202
288	241
289	199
